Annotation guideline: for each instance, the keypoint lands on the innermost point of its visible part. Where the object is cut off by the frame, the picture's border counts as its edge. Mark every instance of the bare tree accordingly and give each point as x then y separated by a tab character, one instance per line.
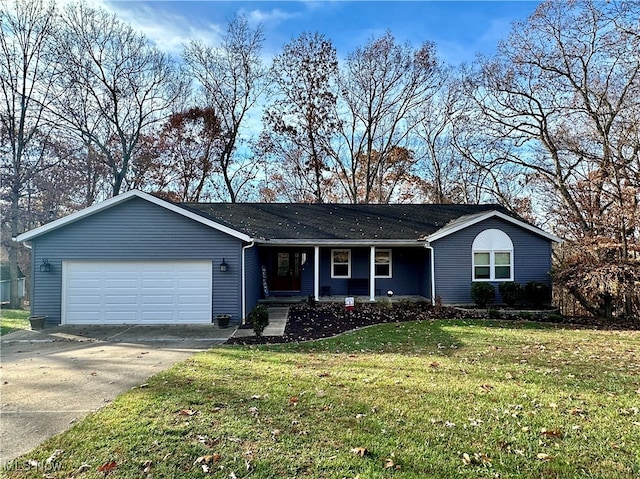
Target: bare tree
177	160
27	73
561	96
303	118
233	79
383	87
116	86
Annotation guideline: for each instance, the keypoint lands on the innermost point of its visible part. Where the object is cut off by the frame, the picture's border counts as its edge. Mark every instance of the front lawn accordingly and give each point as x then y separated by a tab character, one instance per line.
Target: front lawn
423	399
13	320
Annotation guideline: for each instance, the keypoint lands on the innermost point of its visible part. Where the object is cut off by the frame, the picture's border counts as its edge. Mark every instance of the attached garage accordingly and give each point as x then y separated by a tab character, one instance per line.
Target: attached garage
136	292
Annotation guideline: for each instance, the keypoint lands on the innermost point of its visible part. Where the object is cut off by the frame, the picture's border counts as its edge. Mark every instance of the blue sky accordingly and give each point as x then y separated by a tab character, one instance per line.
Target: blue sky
460	29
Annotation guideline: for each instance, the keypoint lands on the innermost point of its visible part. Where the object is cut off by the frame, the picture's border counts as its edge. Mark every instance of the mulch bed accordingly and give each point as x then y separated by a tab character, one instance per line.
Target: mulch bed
323	320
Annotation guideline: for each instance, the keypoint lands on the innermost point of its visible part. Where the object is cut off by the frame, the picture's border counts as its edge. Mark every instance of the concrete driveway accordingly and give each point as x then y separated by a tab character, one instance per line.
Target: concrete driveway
51	378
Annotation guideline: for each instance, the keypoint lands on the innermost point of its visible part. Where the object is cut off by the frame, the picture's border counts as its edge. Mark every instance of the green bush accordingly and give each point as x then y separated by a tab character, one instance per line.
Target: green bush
482	293
511	292
259	319
537	293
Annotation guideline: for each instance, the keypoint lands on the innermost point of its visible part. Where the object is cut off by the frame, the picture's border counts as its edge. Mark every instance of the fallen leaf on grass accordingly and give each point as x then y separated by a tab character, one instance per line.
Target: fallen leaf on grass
107	467
434	365
486	387
542	456
293	400
478	458
388	464
147	466
208	459
556	433
360	451
52	458
187	412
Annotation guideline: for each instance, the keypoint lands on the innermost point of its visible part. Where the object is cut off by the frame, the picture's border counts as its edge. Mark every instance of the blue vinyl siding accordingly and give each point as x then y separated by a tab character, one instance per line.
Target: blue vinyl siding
253	277
453	260
135	230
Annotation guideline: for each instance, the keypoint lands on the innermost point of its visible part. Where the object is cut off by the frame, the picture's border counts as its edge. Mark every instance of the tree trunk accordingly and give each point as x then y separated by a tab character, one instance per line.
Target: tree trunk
14	299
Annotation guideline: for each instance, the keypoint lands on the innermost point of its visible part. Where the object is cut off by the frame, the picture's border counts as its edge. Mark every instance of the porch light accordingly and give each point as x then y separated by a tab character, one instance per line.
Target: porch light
45	267
390	293
223	266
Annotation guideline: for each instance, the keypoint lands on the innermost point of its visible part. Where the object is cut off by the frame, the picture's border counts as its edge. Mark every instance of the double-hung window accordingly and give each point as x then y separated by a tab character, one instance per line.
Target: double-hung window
383	263
341	263
492	256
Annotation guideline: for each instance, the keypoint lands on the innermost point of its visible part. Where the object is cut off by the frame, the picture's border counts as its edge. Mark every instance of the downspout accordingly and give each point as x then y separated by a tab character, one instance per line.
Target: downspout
243	286
433	274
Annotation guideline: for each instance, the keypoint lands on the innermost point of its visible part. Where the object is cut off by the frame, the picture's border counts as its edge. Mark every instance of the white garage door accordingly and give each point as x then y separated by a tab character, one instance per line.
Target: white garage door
136	292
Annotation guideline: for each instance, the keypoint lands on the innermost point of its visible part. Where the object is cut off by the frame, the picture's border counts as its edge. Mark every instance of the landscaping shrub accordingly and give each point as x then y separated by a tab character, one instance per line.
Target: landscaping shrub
511	292
259	319
537	293
482	293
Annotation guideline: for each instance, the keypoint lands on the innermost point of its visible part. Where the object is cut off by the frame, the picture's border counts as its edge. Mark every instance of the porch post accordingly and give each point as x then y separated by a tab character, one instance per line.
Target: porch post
372	275
316	273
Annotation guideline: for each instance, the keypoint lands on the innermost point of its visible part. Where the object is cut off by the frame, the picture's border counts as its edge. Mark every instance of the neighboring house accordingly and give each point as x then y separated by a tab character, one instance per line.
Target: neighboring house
5	284
139	259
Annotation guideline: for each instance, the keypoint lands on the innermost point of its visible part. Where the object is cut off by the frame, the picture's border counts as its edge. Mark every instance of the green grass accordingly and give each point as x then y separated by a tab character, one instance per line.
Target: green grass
410	400
13	320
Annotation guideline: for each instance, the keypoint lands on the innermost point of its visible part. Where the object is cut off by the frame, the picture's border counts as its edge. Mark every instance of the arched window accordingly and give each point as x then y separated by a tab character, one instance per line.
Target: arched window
492	256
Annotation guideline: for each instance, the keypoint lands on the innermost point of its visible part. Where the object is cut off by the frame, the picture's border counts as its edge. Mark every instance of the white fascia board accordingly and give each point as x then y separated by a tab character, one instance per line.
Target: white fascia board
103	205
340	243
491	214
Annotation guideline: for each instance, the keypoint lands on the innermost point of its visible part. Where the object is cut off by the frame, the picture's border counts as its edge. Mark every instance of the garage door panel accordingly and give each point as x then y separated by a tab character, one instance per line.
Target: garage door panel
129	292
157	300
120	283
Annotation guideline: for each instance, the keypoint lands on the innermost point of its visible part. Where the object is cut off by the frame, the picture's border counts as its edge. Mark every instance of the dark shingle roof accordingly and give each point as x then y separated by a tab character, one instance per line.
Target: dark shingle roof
287	221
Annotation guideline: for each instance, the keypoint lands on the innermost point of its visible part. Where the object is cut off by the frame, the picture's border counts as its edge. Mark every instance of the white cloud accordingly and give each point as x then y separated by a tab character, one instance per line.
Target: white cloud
167	29
267	18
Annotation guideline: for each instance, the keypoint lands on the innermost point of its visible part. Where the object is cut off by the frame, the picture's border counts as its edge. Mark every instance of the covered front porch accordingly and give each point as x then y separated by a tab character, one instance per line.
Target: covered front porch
332	272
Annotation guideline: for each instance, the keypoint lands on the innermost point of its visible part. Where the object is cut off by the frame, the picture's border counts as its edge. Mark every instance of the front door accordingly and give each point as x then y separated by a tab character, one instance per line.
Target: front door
285	270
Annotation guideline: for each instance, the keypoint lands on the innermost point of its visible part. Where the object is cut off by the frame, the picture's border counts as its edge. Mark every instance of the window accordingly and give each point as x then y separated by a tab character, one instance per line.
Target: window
341	263
502	264
492	256
383	263
482	265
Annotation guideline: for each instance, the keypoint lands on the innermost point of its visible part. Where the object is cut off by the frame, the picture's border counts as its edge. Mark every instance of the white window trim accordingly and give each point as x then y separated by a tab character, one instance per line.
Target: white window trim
348	263
388	250
492	266
492	241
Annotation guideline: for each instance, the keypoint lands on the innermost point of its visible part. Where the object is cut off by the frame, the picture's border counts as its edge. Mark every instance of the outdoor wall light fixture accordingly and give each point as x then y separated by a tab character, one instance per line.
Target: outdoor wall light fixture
45	267
224	266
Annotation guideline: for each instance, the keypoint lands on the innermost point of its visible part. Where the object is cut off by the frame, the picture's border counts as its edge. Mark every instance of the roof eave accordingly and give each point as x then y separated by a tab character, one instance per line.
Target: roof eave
443	232
340	242
103	205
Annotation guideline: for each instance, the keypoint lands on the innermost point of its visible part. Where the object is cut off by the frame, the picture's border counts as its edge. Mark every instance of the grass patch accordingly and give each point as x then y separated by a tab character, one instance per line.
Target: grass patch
430	399
13	320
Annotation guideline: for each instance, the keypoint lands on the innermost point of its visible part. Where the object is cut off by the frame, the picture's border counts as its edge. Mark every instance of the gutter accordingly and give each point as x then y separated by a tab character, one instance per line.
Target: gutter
433	274
243	285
